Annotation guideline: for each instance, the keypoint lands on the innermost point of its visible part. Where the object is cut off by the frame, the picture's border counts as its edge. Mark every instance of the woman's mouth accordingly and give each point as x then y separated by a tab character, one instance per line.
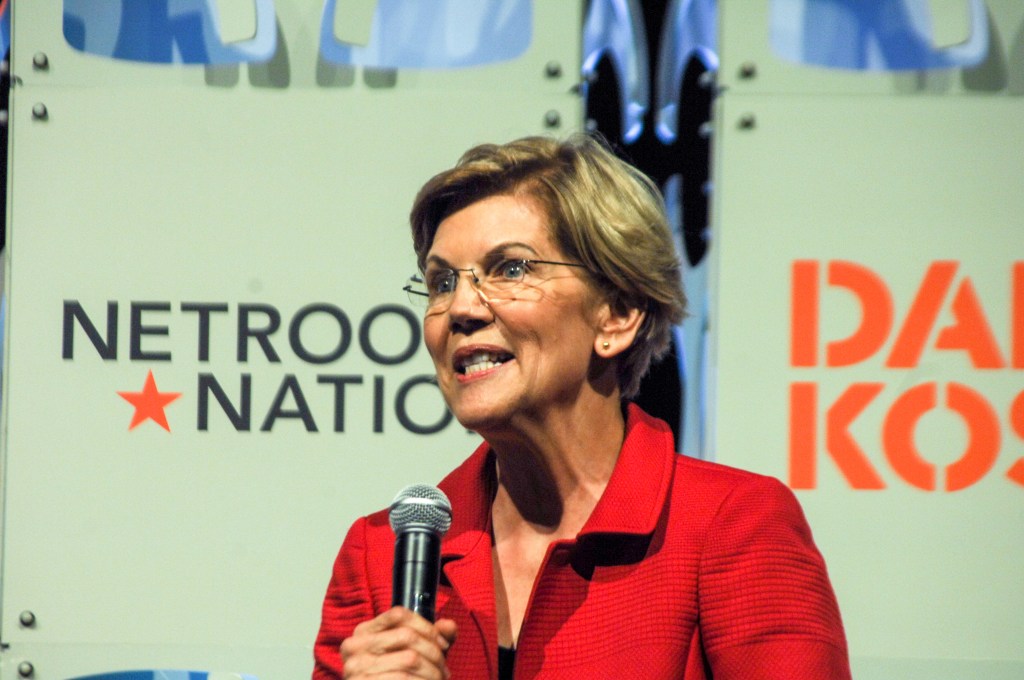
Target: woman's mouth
480	360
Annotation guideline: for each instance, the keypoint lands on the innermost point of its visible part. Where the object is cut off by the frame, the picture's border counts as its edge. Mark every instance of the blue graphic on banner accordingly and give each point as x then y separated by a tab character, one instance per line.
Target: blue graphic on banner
437	34
166	675
165	31
691	337
615	28
5	26
690	29
881	35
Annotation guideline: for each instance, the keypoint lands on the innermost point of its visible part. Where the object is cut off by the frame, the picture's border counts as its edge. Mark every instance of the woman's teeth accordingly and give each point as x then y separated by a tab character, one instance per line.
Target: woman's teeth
480	361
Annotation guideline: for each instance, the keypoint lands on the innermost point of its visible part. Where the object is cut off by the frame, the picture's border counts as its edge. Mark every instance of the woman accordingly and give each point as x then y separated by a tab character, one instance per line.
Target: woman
582	545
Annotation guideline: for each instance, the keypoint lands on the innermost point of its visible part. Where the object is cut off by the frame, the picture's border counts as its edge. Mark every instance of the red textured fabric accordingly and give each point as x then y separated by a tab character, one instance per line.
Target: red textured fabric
686	569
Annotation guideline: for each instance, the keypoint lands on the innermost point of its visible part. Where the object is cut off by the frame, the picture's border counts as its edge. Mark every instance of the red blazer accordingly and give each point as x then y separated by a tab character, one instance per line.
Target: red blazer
685	569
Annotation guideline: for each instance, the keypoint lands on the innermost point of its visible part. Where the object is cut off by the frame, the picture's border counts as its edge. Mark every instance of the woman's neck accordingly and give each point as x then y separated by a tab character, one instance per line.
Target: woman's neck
552	474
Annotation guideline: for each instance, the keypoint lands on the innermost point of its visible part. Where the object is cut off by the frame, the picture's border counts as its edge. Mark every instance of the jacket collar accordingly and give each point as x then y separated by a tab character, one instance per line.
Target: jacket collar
470	488
633	500
466	548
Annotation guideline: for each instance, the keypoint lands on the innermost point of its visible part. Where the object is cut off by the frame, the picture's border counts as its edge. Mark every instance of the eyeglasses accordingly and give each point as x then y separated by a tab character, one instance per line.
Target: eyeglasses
435	290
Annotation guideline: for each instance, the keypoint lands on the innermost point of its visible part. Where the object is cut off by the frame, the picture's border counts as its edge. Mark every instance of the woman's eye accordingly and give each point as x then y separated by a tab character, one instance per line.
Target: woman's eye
513	270
442	282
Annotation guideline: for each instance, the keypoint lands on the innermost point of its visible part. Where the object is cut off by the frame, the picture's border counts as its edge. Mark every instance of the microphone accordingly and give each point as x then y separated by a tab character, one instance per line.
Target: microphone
420	515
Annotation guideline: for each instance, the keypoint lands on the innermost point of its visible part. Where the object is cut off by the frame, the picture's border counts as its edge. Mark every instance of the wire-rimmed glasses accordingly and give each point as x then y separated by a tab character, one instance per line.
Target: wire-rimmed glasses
435	289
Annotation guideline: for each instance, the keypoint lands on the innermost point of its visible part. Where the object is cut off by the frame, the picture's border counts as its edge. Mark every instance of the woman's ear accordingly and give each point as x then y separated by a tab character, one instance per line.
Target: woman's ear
617	330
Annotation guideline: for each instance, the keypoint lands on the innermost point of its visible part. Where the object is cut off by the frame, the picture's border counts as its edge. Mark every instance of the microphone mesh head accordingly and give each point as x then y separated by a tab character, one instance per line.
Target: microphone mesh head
421	506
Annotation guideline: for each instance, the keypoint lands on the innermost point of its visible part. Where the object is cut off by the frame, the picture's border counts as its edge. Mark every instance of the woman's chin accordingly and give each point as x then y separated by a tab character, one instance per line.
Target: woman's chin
482	418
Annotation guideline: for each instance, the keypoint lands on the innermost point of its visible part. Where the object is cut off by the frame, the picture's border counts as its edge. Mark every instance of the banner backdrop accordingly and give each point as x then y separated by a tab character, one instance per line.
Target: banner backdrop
868	314
210	369
211	366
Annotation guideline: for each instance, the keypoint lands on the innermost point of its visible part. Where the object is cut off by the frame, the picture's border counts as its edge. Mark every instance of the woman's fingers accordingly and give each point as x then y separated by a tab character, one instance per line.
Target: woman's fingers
398	642
448	630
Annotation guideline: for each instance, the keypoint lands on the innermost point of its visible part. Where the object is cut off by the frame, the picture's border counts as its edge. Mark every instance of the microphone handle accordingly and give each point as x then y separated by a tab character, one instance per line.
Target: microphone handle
416	571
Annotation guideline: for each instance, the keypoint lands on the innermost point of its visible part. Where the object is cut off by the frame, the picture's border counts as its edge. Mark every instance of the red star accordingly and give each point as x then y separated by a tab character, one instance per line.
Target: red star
149	403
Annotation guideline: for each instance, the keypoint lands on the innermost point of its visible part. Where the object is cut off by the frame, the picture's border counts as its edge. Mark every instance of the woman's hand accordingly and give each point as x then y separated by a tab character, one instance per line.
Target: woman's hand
399	644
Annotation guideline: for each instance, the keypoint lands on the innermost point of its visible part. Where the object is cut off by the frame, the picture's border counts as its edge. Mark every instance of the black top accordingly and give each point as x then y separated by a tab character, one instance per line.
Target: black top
506	662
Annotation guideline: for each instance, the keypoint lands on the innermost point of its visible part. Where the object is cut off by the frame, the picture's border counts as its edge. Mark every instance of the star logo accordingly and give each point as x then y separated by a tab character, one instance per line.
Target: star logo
149	404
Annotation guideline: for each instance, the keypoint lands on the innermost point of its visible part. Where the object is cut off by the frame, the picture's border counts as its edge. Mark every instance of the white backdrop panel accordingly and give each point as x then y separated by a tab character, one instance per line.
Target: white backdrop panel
274	187
898	174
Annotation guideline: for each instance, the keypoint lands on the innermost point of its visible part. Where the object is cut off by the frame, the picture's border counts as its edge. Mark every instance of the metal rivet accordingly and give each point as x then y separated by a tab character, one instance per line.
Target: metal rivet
25	669
706	129
40	61
553	69
27	619
747	121
706	80
552	119
39	111
748	70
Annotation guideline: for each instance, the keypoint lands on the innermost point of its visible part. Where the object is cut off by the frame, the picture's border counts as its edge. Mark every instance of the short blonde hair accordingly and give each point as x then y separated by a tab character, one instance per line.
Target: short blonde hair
601	212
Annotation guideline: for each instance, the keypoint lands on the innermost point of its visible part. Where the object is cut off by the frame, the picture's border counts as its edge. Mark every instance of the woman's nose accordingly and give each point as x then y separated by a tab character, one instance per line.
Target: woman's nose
468	300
